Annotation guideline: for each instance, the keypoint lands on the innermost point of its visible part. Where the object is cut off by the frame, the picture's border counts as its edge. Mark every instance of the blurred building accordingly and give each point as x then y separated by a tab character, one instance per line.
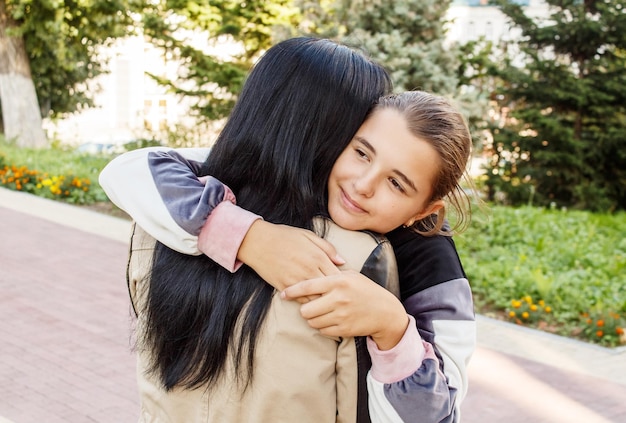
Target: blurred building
471	19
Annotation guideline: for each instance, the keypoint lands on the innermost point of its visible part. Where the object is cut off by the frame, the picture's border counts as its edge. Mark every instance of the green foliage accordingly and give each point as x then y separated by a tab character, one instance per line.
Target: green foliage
318	18
526	310
560	134
604	328
188	32
62	40
477	61
56	173
573	260
407	37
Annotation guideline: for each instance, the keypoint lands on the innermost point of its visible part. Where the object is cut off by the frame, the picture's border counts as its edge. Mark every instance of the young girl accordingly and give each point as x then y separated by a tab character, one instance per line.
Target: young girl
407	156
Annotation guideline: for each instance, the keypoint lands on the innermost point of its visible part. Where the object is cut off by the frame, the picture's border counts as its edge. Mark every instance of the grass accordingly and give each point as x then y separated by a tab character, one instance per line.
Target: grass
572	262
555	270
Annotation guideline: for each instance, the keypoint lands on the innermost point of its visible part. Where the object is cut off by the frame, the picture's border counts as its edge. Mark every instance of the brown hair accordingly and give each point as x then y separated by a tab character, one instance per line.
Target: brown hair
435	120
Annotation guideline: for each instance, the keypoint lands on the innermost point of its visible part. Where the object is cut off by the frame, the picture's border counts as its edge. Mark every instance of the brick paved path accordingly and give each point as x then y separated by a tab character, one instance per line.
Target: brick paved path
65	353
64	325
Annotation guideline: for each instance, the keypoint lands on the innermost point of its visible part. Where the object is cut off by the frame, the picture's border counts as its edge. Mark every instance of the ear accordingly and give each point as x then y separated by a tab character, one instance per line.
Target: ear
431	208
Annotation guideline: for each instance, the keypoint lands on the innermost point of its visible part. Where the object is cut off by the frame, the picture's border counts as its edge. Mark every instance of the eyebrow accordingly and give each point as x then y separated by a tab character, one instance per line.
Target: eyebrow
396	171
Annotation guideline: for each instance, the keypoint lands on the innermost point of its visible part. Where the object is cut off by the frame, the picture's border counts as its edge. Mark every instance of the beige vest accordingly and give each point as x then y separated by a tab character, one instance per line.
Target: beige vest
300	376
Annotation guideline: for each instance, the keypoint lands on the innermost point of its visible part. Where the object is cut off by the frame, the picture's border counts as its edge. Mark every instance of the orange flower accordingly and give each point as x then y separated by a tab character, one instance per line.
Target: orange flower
600	323
619	331
599	334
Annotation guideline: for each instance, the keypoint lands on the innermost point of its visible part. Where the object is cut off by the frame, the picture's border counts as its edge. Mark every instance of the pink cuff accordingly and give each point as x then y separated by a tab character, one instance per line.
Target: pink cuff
403	360
223	232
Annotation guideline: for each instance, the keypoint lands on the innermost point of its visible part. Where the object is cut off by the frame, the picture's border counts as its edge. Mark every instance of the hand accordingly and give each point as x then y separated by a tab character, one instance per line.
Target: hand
350	304
284	255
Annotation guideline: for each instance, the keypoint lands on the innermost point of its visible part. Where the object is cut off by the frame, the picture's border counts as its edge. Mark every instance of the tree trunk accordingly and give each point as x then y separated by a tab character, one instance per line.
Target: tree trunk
21	116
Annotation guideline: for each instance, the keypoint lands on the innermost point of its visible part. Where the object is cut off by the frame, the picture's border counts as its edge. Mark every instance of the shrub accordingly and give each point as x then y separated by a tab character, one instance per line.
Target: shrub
573	260
69	188
604	328
526	311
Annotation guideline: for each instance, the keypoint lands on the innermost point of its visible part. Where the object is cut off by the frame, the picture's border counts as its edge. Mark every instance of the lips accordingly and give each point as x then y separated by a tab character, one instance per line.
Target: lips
350	204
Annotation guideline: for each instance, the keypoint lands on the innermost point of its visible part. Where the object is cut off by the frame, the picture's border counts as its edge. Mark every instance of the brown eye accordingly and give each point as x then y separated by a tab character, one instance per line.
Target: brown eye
361	153
396	184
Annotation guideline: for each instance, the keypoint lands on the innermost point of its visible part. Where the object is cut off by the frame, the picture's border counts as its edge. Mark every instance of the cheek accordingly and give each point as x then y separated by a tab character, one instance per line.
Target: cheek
339	169
399	211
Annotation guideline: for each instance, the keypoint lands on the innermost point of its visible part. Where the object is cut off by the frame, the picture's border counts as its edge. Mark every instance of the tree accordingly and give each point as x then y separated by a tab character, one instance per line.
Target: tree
188	33
21	119
563	140
408	37
49	51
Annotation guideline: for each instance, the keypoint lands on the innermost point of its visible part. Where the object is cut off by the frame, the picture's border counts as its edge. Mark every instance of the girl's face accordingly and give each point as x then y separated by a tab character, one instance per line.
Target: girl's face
383	178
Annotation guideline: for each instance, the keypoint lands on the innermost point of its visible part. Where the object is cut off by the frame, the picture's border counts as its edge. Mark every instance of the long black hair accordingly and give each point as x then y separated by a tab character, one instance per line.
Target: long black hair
299	108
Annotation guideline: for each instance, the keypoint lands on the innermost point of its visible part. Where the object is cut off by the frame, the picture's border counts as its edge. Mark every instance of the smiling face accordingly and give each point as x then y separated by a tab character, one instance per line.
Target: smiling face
384	178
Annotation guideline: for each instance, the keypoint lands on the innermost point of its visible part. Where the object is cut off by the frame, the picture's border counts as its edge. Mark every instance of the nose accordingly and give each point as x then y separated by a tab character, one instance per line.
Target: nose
364	184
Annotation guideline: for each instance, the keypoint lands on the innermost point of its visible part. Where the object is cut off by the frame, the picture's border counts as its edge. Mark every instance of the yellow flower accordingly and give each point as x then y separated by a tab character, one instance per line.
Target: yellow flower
541	303
528	299
511	314
533	307
525	315
516	303
548	309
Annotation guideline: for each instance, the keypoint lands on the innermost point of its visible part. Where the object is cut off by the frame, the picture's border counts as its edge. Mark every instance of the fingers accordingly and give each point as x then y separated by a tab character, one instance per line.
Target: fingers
327	267
311	288
283	255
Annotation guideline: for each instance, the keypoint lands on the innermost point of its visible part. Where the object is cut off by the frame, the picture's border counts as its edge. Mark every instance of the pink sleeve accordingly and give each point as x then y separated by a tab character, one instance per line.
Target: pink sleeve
403	360
223	232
